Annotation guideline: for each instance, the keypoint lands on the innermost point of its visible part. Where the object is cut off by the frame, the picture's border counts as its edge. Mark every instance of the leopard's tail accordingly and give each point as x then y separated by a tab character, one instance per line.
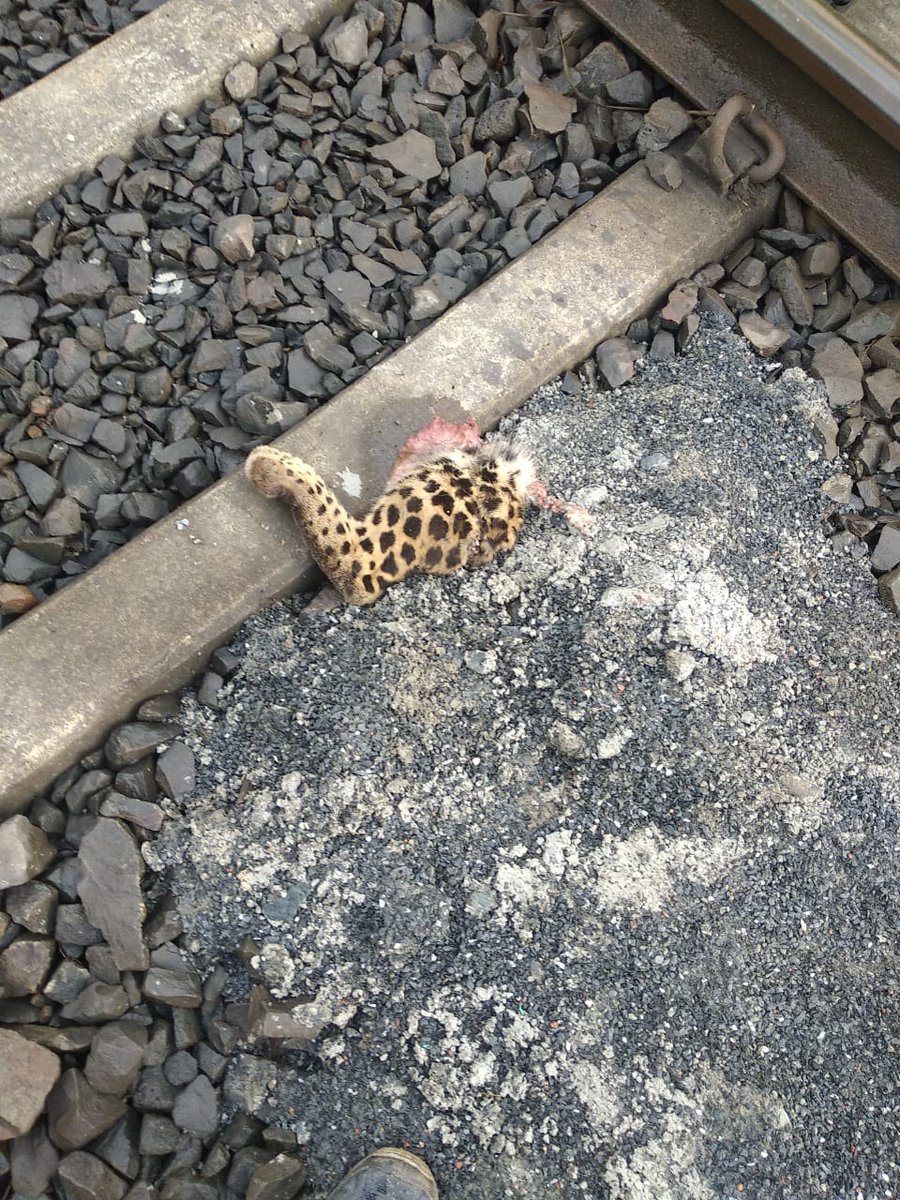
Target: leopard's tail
332	533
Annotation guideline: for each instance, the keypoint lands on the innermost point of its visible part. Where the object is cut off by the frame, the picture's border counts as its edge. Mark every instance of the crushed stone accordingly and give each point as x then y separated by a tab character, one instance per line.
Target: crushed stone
590	855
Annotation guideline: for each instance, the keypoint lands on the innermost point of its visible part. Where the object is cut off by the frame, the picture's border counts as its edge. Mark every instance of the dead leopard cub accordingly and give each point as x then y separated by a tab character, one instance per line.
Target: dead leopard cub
453	500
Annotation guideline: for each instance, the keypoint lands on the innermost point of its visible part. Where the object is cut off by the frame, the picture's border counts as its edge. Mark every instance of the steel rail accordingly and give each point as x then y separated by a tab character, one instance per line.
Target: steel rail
836	161
829	51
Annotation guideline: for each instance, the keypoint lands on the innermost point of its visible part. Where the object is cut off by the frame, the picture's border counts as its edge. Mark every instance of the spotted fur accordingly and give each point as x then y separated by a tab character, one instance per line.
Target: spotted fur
460	509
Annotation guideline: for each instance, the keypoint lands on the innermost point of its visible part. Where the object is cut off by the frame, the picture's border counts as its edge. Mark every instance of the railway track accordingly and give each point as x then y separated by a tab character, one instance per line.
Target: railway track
146	619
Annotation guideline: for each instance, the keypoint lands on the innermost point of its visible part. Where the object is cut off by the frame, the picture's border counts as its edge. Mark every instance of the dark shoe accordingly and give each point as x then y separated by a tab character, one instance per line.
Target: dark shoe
387	1174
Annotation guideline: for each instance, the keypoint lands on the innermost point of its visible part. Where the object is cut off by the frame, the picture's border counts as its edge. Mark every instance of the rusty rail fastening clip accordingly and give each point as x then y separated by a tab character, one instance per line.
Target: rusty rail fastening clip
714	143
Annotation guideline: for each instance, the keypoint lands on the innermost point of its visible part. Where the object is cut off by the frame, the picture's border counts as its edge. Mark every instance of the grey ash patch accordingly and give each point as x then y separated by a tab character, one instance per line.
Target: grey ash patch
591	855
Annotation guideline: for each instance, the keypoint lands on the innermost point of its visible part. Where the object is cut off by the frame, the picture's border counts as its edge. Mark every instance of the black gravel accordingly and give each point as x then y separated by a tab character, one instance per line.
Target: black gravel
38	36
575	874
161	316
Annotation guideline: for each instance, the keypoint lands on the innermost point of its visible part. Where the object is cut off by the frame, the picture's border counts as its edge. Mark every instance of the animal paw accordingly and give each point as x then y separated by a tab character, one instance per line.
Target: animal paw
266	469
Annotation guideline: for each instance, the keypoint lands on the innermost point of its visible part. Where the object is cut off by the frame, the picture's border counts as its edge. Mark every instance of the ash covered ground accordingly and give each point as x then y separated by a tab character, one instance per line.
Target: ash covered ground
590	856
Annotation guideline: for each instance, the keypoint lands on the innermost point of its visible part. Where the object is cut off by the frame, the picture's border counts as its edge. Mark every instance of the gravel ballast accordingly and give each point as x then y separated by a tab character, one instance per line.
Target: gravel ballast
577	874
160	317
36	37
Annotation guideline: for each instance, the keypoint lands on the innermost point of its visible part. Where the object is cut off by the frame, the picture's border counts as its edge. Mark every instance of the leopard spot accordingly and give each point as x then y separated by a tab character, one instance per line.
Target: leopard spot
387	539
437	528
489	475
462	486
339	529
345	548
412	527
444	501
376	517
393	514
414	504
355	568
404	492
433	556
454	557
368	584
389	566
490	501
367	546
462	527
432	486
321	510
407	552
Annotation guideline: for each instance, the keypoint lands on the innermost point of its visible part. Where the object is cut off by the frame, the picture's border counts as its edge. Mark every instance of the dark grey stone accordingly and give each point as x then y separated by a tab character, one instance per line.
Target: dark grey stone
304	376
468	176
130	742
77	1112
347	288
38	483
111	869
109	435
453	20
615	361
633	89
786	276
25	964
74	928
153	1092
72	360
33	906
180	1068
136	812
175	771
33	1161
17	316
324	348
510	193
664	122
66	982
25	851
75	422
62	518
279	1179
85	1177
85	478
196	1108
499	122
70	282
115	1057
159	1134
604	63
177	987
411	154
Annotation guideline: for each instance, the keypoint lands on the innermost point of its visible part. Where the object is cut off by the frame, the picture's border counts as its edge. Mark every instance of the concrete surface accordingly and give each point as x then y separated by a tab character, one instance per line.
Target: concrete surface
145	620
99	102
